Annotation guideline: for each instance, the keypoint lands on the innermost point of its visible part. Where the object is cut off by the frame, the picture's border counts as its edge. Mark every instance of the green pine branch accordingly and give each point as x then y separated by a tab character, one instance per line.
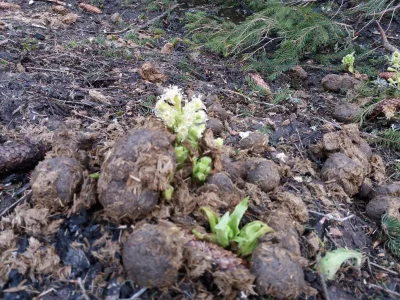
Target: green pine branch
295	30
391	232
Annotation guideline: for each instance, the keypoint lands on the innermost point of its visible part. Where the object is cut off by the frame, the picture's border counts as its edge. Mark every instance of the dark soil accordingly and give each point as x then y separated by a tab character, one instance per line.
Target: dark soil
51	76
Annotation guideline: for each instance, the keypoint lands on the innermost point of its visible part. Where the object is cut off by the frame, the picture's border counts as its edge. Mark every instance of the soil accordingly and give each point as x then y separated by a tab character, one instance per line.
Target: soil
73	83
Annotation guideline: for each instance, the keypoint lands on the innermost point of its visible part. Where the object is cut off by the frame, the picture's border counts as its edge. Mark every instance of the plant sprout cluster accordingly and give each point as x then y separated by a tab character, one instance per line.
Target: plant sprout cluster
395	67
225	230
187	120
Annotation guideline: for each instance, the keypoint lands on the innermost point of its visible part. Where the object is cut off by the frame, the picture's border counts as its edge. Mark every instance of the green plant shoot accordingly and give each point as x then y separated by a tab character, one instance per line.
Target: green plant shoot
219	142
201	168
395	67
182	153
226	229
168	193
348	62
248	237
332	261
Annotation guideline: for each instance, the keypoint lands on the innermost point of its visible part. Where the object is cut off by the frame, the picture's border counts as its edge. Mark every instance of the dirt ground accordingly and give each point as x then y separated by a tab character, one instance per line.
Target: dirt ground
81	70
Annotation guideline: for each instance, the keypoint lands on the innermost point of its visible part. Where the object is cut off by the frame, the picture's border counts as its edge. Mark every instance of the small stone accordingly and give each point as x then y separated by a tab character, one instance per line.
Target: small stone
59	9
346	112
336	83
313	243
300	73
115	18
216	126
167	48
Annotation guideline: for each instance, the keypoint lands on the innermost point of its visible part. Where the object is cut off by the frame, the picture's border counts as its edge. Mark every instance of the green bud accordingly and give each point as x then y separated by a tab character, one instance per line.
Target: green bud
202	168
348	61
95	175
168	193
219	142
195	132
182	153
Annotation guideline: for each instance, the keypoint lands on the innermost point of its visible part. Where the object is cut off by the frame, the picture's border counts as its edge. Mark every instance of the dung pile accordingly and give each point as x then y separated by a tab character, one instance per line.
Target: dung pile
148	187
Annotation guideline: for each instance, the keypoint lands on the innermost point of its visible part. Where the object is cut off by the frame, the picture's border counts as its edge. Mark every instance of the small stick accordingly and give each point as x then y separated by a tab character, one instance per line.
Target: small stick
15	203
87	117
322	278
384	289
43	69
46	292
145	25
331	217
388	10
138	294
4	42
150	22
383	268
80	283
56	2
301	143
385	41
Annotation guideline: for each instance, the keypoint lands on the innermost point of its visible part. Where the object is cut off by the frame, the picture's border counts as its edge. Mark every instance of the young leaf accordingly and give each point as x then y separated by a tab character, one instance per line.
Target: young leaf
168	193
332	261
212	217
248	237
237	215
95	175
223	232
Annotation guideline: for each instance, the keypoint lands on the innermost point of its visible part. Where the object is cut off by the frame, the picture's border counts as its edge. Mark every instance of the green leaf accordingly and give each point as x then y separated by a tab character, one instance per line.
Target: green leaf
248	237
332	261
95	175
168	193
223	231
198	234
212	217
237	215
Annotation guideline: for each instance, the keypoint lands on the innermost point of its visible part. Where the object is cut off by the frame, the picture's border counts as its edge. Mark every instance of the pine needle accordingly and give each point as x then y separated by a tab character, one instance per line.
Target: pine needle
391	231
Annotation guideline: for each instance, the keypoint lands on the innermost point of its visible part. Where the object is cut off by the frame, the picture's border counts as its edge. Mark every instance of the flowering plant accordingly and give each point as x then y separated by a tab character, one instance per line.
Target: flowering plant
395	67
188	121
348	62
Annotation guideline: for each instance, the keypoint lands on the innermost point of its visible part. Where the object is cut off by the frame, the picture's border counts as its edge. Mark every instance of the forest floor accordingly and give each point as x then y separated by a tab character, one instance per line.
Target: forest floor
83	71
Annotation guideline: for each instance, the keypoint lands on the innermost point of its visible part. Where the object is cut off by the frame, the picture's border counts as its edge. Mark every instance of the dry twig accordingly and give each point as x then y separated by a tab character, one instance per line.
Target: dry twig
385	41
145	25
332	217
384	289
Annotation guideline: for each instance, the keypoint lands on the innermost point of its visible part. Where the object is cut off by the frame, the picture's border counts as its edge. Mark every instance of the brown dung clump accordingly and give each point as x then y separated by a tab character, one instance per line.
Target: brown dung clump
256	142
344	171
278	274
262	173
55	181
153	255
381	205
136	170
